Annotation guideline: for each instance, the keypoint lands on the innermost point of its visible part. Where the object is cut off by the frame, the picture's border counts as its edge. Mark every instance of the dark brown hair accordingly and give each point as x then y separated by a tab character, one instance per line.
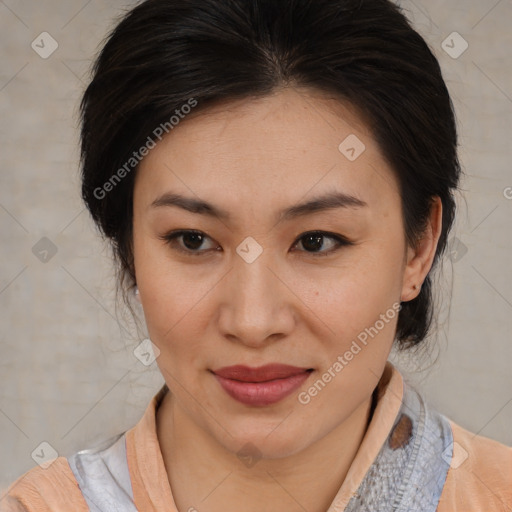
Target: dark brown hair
162	53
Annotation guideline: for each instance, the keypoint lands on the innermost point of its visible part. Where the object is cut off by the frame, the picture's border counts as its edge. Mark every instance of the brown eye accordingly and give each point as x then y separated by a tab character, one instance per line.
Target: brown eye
191	241
314	241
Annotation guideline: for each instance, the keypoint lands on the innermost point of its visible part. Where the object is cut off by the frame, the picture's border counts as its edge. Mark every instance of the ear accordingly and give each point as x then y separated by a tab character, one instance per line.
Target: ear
419	259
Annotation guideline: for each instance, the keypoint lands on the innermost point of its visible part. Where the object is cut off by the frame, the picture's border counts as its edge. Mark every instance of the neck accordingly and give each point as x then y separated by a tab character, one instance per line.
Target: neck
206	477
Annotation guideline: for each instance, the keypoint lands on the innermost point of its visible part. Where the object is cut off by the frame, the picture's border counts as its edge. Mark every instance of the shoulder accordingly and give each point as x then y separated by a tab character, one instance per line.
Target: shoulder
44	490
480	474
96	478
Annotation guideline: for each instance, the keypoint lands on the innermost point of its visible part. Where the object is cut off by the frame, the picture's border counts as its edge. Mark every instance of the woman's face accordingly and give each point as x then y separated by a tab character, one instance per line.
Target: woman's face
254	288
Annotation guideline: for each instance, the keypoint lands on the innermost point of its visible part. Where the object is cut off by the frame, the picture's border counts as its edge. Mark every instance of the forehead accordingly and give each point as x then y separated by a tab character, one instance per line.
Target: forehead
271	149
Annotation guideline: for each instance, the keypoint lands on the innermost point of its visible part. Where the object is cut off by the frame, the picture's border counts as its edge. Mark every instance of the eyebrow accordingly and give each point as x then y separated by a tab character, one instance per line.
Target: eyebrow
324	202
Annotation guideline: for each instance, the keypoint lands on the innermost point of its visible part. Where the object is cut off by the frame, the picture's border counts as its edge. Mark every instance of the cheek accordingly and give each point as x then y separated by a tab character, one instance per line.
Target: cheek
360	305
162	290
366	284
176	301
172	305
362	318
174	326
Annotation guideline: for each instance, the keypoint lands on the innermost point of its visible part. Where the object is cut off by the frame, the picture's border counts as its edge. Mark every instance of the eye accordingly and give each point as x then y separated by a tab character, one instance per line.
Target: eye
315	240
191	240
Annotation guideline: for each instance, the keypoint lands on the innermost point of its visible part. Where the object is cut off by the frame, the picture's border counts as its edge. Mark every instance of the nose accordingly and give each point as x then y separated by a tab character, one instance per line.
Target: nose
258	305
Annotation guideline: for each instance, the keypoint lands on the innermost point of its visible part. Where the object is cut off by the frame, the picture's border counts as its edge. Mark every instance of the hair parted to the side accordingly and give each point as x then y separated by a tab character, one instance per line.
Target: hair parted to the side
364	52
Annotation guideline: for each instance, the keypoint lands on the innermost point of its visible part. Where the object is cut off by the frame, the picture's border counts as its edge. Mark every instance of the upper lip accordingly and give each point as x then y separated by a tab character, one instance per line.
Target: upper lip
259	374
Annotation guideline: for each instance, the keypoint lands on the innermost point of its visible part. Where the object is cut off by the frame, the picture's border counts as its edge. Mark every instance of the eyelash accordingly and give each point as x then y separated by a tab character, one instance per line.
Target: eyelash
169	238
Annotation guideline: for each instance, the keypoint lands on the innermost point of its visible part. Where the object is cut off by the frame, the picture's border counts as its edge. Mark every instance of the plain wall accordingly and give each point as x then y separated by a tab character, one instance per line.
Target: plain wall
68	373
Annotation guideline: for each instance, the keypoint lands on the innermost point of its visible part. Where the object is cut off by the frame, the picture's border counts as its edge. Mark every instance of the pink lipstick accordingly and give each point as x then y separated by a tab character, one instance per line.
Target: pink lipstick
264	385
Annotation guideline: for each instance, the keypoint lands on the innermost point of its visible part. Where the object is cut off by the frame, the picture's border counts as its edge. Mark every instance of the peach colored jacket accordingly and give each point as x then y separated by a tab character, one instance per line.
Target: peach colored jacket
479	478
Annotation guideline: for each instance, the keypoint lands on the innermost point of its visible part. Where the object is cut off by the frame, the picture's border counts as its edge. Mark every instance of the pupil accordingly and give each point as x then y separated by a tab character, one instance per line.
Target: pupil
317	240
188	236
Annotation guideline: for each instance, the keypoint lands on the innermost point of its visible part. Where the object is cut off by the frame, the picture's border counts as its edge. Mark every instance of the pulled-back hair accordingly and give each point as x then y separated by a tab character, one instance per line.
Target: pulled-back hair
364	52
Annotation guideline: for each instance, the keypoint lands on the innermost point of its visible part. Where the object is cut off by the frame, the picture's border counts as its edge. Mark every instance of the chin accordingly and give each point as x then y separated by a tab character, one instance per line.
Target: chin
268	440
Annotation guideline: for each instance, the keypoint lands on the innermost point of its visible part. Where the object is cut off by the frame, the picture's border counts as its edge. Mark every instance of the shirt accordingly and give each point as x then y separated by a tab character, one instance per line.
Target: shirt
470	473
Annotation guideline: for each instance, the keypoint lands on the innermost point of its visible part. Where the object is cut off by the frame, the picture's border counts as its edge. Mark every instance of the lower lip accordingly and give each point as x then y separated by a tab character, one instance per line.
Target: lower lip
262	393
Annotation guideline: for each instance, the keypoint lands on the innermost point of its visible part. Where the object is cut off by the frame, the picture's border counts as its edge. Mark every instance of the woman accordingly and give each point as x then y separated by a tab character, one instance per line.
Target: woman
276	178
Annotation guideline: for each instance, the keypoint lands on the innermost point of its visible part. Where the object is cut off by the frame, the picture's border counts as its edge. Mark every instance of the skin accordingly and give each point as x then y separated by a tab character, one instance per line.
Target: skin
254	158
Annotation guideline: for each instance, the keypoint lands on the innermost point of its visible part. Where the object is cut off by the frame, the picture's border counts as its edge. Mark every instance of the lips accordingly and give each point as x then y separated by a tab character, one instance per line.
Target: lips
261	386
260	374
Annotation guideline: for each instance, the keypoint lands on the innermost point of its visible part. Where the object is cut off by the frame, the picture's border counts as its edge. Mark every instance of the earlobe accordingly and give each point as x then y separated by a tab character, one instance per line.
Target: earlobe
137	294
420	258
411	292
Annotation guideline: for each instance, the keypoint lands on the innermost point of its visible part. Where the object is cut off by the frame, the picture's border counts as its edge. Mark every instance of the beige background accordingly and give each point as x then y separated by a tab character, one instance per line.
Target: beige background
68	373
